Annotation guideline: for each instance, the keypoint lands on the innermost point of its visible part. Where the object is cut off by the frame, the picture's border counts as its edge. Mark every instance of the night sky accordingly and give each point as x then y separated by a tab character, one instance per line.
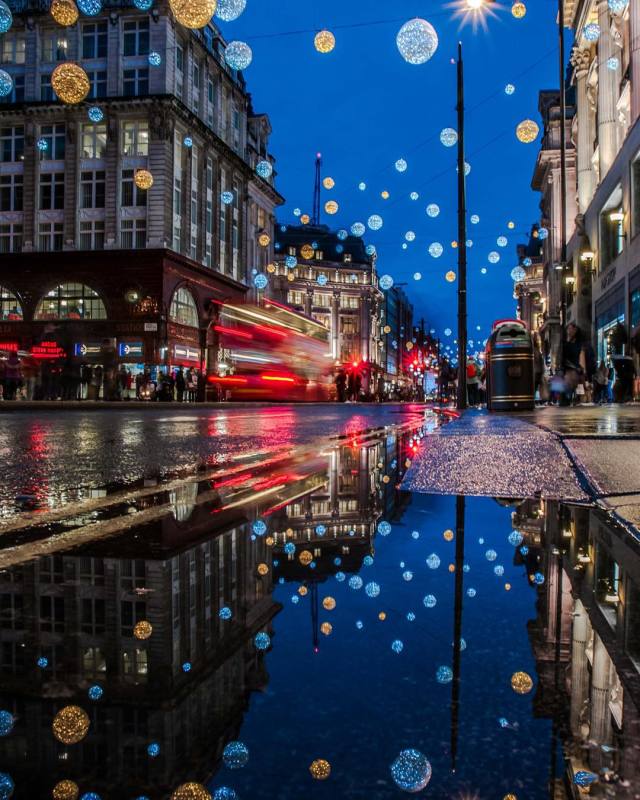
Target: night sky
363	107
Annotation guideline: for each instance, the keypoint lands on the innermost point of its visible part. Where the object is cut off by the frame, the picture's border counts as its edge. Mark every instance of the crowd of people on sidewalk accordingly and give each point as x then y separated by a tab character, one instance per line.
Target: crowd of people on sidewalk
69	380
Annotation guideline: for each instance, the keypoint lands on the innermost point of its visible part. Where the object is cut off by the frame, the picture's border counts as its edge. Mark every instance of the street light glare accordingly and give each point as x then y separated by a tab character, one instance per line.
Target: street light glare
474	5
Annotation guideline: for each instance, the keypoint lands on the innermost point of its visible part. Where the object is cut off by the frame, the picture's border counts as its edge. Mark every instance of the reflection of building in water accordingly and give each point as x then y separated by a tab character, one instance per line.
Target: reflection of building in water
185	687
597	561
338	517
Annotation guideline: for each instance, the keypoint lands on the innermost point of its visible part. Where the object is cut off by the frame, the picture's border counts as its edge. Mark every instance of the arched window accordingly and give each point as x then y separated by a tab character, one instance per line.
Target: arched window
183	308
71	301
10	308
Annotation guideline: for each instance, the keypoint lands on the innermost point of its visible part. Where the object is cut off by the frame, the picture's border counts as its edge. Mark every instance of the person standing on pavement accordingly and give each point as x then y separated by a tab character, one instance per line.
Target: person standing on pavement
180	384
473	382
341	386
538	367
12	376
600	381
573	364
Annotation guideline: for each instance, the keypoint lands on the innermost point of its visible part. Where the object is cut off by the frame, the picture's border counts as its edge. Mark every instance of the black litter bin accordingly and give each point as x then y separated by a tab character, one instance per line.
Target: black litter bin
510	383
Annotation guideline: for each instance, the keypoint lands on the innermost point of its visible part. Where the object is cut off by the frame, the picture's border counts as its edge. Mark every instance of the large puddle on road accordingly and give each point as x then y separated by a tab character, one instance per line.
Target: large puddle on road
304	629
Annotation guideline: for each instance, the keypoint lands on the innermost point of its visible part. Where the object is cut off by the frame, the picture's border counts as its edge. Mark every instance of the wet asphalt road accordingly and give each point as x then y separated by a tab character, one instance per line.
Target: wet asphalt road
60	456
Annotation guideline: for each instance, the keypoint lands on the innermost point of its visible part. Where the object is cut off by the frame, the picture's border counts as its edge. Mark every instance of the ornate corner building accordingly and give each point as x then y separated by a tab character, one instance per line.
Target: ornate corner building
87	256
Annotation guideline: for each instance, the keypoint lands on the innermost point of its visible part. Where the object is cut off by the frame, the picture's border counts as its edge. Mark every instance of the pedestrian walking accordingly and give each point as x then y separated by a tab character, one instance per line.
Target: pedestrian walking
573	365
473	382
600	381
538	367
13	376
180	384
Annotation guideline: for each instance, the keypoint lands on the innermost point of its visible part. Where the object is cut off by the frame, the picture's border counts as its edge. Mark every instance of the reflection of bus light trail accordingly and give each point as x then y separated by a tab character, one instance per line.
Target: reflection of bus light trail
238	480
229	379
277	378
244	500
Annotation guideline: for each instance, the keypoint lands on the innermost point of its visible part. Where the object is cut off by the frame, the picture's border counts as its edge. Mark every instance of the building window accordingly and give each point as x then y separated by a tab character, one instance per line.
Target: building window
92	235
55	137
209	214
179	69
13	48
130	195
51	614
195	100
94	664
11	238
135	138
135	82
92	620
635	308
98	82
611	229
133	234
11	611
635	191
51	191
94	141
134	664
71	301
46	90
321	299
10	192
183	308
136	37
50	236
349	326
92	189
295	298
54	46
211	101
94	40
130	613
607	584
349	301
12	143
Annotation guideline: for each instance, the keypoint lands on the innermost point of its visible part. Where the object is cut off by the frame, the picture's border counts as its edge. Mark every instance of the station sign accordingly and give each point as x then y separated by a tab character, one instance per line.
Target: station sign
130	349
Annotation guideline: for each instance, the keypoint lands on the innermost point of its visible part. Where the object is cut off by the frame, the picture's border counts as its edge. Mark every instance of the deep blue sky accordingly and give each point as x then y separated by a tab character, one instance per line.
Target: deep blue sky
364	107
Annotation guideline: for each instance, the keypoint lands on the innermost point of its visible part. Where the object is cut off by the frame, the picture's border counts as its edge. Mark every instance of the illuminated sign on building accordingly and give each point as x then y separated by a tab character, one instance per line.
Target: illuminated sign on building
129	349
87	348
47	350
186	353
9	347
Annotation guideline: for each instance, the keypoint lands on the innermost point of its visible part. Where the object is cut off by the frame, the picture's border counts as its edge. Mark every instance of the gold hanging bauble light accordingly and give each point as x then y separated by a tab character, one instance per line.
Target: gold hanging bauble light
143	179
305	557
409	345
384	194
305	219
448	535
271	268
306	251
450	276
66	790
65	12
320	769
193	13
527	131
326	628
382	616
143	629
191	791
518	9
263	569
521	683
328	183
264	240
70	82
302	591
331	207
329	603
291	277
324	41
71	725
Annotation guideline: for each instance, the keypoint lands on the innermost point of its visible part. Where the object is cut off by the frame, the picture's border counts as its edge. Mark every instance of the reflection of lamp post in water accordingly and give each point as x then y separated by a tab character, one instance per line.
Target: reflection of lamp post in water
457	627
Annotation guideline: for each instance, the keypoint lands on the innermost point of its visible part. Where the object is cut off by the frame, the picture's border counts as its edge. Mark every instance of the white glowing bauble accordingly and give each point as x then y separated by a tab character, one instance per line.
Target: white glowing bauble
238	55
613	62
362	186
483	271
228	10
414	195
401	165
618	6
358	229
448	137
447	331
375	222
501	241
518	274
386	282
433	210
436	249
509	88
410	236
494	257
591	32
475	219
417	41
467	168
417	276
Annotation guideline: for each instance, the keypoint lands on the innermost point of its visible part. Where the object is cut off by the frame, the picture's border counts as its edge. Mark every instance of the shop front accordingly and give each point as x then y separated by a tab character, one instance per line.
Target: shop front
610	312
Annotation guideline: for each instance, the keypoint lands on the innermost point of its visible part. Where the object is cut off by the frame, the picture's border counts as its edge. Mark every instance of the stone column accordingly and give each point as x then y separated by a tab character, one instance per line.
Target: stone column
607	92
600	728
579	666
335	326
580	60
634	37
